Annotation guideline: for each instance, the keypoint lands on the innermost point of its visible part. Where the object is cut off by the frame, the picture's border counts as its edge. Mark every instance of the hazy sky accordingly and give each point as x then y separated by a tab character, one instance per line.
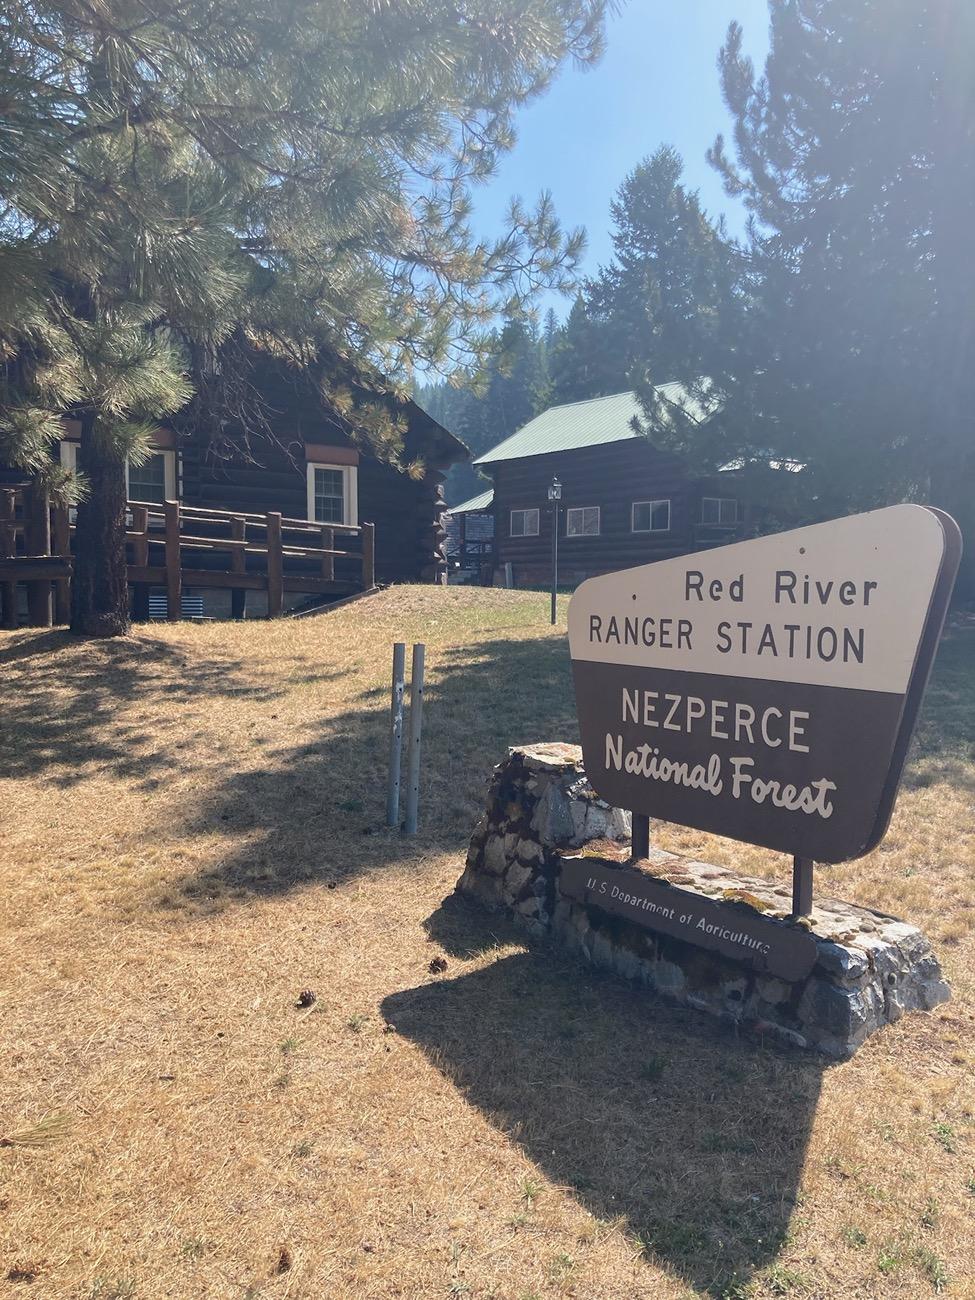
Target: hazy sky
656	84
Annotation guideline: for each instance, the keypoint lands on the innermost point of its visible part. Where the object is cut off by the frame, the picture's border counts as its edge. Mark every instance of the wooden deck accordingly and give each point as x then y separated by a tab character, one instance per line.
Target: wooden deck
175	546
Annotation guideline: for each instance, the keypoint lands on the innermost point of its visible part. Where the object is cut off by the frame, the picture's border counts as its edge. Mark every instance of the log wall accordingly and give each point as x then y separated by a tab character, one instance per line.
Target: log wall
611	476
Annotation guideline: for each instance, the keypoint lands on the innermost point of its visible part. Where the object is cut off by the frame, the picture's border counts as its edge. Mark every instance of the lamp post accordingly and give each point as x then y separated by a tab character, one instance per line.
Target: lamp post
555	496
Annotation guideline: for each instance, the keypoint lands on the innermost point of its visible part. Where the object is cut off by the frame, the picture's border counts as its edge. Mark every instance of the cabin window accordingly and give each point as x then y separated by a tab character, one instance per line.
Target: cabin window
154	480
719	510
650	516
524	523
582	521
332	493
68	454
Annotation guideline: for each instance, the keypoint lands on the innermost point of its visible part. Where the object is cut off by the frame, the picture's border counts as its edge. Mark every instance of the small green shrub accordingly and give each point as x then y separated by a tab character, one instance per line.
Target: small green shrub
944	1135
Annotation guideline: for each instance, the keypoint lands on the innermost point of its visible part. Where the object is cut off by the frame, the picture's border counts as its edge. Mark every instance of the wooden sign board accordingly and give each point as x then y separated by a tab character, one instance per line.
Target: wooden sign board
759	942
766	690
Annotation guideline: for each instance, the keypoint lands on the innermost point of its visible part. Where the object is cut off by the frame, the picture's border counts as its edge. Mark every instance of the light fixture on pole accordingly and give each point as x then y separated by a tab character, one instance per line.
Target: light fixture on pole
555	496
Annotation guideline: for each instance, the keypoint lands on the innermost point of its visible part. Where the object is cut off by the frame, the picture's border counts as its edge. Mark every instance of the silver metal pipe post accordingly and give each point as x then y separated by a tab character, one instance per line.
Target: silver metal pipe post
396	734
413	743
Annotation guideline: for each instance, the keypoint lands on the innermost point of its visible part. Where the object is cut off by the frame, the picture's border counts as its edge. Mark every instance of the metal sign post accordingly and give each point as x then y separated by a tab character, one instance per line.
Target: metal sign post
396	734
555	496
802	886
413	743
639	836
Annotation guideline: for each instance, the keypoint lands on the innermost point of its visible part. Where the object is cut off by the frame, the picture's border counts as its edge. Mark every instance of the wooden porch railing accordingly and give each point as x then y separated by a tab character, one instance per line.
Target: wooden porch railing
706	536
176	546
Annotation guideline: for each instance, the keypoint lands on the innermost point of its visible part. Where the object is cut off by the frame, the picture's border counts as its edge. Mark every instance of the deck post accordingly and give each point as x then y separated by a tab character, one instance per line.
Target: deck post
8	548
38	543
62	547
174	575
140	558
275	565
328	561
238	564
368	556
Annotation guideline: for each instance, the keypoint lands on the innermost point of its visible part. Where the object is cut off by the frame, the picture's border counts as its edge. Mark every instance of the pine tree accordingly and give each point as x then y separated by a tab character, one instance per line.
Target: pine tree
668	306
483	409
590	358
551	329
187	185
516	386
855	155
674	294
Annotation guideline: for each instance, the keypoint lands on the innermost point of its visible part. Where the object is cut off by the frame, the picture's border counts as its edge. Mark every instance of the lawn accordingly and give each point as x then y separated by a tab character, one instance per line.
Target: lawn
191	835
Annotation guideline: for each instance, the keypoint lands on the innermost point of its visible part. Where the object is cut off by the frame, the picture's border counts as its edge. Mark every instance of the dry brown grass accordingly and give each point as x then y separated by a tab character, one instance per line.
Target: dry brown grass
190	834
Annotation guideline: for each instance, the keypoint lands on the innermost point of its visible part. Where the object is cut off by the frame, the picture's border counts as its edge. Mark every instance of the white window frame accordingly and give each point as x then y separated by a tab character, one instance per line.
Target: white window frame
657	501
580	511
350	493
526	531
68	454
169	472
719	522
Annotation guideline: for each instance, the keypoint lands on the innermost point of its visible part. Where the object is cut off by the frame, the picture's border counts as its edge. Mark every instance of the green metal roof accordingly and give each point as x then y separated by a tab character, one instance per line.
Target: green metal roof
582	424
482	502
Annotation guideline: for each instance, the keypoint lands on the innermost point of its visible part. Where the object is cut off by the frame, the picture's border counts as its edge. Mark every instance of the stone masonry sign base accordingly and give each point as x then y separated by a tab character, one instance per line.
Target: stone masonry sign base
552	854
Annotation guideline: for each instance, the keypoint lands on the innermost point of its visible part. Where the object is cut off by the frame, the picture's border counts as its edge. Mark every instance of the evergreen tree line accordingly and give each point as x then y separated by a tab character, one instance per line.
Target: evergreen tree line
838	333
672	267
516	382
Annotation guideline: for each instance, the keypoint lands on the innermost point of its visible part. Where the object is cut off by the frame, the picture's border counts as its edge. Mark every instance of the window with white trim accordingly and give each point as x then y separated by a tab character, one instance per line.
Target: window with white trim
524	523
332	494
68	454
154	480
650	516
582	521
719	510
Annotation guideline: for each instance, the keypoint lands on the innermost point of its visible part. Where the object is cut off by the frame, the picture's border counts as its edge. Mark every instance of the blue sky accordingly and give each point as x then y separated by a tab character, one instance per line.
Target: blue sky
656	84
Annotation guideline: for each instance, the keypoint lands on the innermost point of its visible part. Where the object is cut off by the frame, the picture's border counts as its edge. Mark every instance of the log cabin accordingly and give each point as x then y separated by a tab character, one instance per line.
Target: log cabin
306	466
624	502
470	540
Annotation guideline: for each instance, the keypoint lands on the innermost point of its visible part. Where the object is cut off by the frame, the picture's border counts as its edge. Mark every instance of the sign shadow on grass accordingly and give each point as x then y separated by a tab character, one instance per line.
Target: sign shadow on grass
648	1114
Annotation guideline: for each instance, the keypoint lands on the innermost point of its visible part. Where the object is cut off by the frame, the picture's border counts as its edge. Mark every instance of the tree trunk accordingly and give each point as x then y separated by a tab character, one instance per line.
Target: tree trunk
99	587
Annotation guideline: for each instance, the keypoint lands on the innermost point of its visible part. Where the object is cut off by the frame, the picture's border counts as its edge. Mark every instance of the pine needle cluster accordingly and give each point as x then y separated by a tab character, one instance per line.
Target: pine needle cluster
186	184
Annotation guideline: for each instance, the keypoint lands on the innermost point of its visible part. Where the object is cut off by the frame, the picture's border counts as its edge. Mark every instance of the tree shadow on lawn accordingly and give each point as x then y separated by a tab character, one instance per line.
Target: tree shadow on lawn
318	811
644	1111
66	704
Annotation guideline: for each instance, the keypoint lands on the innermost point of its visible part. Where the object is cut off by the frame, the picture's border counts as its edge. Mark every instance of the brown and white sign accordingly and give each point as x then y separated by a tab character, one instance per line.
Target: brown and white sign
766	690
